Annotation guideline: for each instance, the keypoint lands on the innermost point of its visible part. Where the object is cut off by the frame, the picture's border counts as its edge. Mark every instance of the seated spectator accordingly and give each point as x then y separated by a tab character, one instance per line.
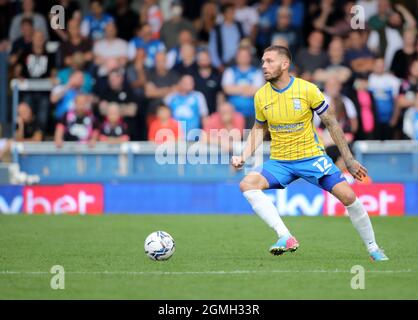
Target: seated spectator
207	80
64	95
78	124
284	29
410	121
119	92
224	126
37	64
77	64
28	128
344	110
187	59
126	19
313	57
185	37
404	57
110	48
240	82
188	106
75	43
39	22
297	8
94	24
378	20
335	66
405	99
144	41
267	11
114	129
172	28
164	128
160	81
384	87
22	44
248	17
225	38
151	14
357	56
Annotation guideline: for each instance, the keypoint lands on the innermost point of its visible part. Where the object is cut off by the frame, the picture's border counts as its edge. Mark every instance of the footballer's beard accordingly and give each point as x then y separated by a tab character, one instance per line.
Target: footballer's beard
275	76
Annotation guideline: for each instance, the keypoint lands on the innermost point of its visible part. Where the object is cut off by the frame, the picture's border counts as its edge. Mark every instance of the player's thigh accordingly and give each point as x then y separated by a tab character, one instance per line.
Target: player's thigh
253	181
343	192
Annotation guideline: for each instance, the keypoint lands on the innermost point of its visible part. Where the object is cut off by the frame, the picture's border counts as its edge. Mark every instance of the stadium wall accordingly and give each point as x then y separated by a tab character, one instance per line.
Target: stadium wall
300	198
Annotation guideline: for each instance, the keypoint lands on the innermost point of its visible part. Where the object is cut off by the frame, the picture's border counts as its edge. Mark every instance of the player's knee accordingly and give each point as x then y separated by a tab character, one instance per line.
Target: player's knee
248	183
348	198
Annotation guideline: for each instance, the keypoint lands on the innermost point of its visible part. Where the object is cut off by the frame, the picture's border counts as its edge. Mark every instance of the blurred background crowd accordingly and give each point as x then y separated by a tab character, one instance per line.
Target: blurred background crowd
122	70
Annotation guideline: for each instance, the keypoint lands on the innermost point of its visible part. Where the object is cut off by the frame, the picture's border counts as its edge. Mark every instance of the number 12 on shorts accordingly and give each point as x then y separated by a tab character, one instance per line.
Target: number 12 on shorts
322	164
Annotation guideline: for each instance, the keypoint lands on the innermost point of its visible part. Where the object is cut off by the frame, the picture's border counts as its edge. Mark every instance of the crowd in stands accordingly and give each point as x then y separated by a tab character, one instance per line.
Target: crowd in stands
122	70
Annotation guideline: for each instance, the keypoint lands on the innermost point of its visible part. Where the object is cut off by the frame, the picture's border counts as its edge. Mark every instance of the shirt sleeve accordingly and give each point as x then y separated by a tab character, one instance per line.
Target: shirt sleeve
317	100
259	116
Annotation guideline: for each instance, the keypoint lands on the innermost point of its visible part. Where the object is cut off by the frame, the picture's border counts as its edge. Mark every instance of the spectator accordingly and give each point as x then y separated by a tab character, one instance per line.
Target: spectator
284	29
357	56
126	19
78	124
136	74
405	100
37	64
144	41
110	48
188	106
94	24
187	59
410	124
313	57
28	128
151	14
224	125
379	20
160	81
326	15
185	37
39	22
240	82
22	44
64	95
342	23
119	92
75	43
248	17
113	130
164	127
403	57
224	39
384	87
207	22
77	64
267	11
7	11
366	109
297	10
336	66
370	8
207	80
172	28
344	109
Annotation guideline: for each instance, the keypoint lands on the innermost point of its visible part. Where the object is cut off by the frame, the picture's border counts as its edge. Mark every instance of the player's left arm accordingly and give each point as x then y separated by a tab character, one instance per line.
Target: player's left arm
356	169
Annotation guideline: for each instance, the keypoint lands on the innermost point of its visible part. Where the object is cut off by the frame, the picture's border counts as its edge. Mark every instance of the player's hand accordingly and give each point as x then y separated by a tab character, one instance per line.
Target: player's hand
357	170
237	162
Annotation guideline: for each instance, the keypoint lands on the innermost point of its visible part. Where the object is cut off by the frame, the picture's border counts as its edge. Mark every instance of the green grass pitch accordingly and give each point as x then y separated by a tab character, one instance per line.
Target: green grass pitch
217	257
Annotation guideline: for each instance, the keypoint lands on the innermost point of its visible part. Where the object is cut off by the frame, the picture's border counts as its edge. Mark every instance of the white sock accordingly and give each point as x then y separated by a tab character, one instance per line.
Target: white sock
362	223
265	209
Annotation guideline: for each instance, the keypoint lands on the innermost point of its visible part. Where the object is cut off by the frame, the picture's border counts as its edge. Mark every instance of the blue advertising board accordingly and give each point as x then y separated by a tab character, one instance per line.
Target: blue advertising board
11	199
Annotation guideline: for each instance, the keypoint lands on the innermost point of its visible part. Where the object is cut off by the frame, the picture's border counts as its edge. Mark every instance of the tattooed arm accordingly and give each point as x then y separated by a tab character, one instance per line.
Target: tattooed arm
356	169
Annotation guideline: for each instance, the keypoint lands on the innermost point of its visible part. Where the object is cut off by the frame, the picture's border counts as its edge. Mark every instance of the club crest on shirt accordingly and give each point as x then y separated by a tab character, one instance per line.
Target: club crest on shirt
296	104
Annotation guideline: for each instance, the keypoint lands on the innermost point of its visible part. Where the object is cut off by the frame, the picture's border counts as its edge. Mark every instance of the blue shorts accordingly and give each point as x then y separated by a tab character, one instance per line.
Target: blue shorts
320	171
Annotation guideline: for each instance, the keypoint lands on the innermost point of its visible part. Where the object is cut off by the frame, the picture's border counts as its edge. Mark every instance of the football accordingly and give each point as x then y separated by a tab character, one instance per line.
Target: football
159	246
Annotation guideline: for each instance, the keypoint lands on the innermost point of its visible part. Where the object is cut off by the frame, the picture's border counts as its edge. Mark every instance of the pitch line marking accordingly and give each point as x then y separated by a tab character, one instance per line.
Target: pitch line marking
219	272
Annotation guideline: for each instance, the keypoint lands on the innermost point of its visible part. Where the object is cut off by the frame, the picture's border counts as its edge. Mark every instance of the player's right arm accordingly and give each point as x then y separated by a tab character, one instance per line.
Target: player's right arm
256	136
